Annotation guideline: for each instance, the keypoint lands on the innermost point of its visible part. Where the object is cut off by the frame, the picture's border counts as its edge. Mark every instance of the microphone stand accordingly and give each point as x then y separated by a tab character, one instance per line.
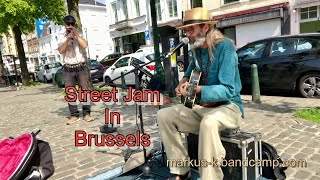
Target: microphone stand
146	169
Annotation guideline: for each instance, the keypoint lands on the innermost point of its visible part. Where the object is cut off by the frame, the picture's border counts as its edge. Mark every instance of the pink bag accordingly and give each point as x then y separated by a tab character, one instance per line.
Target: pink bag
15	155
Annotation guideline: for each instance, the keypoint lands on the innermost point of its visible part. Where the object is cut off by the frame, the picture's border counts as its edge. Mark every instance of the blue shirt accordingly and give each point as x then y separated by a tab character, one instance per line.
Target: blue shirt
223	80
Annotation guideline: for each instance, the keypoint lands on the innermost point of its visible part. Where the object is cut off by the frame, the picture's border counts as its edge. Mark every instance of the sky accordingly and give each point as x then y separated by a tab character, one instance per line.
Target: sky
102	1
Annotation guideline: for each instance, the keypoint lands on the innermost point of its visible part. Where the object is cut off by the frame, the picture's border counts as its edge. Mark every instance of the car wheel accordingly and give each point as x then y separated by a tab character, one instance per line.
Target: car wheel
32	77
309	86
180	66
100	79
145	84
107	81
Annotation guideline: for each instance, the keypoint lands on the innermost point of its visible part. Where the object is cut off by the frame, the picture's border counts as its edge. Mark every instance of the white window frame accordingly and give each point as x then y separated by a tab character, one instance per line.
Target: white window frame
310	19
137	7
124	9
234	1
114	12
174	8
158	10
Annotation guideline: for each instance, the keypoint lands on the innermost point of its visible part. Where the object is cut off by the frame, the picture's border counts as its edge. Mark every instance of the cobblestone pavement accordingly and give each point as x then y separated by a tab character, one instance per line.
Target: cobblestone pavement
43	107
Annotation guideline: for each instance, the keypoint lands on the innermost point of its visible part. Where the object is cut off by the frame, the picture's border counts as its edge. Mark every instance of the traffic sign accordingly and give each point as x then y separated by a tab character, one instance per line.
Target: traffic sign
147	35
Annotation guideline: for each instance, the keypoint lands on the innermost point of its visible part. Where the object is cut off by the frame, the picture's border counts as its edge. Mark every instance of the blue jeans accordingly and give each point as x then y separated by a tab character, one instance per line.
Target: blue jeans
82	79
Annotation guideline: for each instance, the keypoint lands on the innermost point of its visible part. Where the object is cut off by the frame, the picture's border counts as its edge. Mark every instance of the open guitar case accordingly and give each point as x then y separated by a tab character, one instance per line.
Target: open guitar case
25	157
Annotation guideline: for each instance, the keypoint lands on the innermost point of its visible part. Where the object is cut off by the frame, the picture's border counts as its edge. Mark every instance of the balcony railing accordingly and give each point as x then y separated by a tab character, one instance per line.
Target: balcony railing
125	24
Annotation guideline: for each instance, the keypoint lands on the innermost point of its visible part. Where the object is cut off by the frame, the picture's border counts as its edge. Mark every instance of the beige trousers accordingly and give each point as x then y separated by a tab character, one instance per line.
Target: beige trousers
207	122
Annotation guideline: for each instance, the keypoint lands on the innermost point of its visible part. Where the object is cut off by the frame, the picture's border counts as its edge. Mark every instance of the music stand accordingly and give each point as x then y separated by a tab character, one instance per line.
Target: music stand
146	169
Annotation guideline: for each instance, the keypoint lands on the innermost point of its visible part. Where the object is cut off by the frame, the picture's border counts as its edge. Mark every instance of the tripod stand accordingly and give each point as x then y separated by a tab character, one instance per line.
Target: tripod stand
146	169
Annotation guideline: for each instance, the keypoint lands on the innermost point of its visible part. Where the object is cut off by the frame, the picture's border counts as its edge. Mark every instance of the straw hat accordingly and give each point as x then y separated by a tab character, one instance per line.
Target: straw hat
196	16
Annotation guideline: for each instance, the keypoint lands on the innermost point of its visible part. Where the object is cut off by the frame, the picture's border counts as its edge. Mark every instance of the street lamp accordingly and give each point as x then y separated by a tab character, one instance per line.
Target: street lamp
86	30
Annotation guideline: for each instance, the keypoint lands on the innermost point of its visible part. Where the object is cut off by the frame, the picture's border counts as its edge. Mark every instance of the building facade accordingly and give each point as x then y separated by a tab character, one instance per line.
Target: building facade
245	21
305	16
9	48
131	25
31	48
93	18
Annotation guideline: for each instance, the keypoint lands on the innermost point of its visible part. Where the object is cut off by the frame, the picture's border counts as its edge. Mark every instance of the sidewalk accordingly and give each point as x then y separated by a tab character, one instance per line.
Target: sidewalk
43	107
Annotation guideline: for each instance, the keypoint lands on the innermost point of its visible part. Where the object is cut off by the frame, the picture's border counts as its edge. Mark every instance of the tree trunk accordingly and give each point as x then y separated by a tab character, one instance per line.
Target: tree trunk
21	55
73	10
1	69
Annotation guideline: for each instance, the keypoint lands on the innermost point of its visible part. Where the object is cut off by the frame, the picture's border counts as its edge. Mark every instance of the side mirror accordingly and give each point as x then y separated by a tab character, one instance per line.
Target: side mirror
112	68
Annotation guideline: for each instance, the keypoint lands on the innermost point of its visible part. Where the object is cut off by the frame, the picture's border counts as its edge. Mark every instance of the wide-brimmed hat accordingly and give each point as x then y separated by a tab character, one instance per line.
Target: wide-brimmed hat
196	16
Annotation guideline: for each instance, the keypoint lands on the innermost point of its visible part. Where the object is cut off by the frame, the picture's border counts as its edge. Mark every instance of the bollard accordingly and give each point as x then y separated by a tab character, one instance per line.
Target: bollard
255	84
54	79
123	82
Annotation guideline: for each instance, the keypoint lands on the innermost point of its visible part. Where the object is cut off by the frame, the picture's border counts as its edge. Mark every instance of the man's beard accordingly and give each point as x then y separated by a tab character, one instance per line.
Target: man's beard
199	40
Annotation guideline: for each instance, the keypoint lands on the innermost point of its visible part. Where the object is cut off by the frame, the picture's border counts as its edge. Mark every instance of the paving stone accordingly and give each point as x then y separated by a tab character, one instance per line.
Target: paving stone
298	144
285	156
287	141
298	126
305	139
302	175
84	172
308	150
315	158
312	130
315	178
62	174
48	102
68	178
301	156
313	144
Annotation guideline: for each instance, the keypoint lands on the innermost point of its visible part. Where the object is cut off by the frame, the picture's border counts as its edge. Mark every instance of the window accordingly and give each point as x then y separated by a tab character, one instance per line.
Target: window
196	3
172	4
136	3
252	51
307	44
124	8
114	9
230	1
283	47
158	10
309	12
122	62
136	61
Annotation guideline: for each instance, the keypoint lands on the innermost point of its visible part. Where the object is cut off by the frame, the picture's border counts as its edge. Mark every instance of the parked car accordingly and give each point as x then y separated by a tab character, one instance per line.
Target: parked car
47	71
110	59
285	63
125	64
96	72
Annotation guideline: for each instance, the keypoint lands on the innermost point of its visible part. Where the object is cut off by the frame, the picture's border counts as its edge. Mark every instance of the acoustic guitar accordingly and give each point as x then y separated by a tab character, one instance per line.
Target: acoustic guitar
190	89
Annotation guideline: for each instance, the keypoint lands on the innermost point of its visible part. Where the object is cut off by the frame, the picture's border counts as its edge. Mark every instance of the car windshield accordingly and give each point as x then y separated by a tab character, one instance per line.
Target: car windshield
150	57
54	65
94	62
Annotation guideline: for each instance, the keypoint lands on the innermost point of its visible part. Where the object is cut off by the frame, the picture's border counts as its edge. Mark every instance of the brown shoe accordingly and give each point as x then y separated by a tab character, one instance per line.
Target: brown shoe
72	120
88	118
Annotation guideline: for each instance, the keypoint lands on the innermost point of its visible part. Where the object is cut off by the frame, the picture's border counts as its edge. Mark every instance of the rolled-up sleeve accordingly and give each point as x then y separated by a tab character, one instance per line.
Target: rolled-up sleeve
225	89
61	38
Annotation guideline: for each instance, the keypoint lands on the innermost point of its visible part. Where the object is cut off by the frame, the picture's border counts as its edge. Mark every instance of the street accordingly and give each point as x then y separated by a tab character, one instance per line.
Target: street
43	107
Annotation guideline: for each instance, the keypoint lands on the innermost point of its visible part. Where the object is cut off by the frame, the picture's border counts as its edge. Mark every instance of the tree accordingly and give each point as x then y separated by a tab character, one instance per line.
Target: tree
1	67
73	10
21	16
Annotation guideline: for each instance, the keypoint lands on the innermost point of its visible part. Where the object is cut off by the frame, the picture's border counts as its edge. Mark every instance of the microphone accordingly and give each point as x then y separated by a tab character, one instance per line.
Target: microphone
184	41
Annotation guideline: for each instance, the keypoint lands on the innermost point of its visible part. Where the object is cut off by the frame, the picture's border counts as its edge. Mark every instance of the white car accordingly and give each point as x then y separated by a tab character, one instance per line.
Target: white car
46	71
125	64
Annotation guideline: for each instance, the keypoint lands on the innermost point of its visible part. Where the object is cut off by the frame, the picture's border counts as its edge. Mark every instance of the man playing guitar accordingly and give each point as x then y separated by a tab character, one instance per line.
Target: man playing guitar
217	105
